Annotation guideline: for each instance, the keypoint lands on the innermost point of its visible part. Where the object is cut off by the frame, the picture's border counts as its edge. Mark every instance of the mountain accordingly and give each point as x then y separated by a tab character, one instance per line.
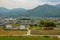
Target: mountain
17	12
18	9
3	10
45	10
40	11
58	5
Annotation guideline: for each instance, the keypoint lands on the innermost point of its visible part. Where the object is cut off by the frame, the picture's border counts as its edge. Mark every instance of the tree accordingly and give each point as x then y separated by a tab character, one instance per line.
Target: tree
41	23
47	23
31	25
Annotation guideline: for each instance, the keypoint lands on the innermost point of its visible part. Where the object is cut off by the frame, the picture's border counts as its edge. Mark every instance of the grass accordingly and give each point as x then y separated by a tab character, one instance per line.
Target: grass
56	28
38	28
16	25
42	28
27	38
1	27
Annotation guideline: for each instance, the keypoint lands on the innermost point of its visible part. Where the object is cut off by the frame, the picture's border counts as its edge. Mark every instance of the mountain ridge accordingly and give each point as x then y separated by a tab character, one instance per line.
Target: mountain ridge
39	11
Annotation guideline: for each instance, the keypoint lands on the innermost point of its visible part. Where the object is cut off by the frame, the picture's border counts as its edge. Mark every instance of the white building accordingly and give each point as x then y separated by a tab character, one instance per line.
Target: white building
8	27
22	27
10	20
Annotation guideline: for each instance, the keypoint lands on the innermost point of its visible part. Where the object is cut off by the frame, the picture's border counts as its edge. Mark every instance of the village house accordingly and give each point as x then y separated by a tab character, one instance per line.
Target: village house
25	21
22	27
10	27
35	21
10	20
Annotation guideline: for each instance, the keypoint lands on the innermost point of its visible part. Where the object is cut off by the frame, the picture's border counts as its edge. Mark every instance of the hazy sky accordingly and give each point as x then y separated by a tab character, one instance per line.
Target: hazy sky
28	4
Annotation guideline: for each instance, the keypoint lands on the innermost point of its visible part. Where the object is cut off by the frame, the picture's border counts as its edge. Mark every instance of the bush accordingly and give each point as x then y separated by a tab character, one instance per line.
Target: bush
46	36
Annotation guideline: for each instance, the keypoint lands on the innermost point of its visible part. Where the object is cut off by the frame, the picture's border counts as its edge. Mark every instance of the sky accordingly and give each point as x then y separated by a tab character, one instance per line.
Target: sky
27	4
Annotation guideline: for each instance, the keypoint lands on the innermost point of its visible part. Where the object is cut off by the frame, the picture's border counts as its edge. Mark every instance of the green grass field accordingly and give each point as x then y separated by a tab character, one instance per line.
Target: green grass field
27	38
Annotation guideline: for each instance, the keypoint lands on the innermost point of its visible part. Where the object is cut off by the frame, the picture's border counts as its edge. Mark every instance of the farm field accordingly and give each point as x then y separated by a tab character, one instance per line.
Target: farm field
40	31
27	38
12	32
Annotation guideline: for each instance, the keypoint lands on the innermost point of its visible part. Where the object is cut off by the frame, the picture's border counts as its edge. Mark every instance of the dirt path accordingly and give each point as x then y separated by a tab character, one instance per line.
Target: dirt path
28	33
